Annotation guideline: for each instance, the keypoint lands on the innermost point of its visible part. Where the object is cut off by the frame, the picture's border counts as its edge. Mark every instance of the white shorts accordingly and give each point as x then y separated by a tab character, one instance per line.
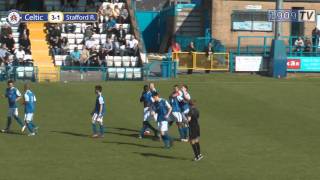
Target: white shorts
28	117
97	118
148	115
163	126
12	112
177	117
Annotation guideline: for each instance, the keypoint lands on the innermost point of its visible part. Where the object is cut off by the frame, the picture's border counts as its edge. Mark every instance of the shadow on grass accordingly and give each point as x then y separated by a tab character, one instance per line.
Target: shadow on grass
147	155
72	133
13	133
124	129
132	144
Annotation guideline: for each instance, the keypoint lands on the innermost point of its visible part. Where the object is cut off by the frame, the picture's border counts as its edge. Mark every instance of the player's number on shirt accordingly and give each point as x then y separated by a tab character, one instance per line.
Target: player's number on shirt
55	17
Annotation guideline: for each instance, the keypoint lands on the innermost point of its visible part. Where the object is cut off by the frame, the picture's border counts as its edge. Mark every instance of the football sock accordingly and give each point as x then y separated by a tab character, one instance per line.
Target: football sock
181	133
8	123
18	121
194	147
30	128
143	129
101	129
32	124
165	140
185	132
94	128
198	147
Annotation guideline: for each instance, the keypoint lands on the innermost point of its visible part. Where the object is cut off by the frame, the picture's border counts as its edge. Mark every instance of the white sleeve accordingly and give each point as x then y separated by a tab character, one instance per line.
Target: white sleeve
101	100
187	96
18	93
168	105
26	98
34	98
180	97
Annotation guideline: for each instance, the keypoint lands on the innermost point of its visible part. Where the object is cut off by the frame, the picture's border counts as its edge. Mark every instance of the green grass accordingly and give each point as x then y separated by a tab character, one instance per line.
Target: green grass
251	128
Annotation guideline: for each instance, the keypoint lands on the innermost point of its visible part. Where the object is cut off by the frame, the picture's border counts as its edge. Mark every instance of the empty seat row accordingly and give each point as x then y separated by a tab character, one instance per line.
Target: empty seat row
25	72
112	5
124	73
122	61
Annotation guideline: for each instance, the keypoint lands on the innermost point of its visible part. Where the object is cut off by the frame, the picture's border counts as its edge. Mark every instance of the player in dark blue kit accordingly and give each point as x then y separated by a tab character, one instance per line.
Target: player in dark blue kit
13	95
146	99
98	113
163	109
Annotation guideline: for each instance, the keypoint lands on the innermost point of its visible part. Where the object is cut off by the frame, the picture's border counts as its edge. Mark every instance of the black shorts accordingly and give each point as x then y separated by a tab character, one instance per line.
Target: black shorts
194	132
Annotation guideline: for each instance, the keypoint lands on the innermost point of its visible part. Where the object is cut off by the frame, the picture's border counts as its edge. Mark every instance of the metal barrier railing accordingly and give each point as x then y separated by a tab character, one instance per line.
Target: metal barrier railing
24	73
202	61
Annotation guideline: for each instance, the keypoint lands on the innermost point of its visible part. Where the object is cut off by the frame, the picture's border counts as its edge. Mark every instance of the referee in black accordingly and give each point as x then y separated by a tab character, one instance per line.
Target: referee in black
194	130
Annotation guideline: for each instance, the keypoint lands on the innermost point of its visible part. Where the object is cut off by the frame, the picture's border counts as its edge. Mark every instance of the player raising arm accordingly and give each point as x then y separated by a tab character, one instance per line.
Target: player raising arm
163	109
13	95
98	113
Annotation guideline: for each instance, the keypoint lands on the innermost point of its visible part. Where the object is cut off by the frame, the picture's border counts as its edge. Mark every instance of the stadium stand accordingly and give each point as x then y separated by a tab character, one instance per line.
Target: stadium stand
109	43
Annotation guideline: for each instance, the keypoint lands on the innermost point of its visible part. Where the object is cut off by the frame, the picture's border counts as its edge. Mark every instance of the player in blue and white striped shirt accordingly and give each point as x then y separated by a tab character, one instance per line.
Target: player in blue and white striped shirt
29	108
98	113
13	95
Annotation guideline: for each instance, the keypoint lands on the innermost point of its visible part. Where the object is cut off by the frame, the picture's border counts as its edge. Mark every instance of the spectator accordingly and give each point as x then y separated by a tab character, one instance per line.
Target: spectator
299	44
10	43
75	57
124	14
132	46
121	34
88	32
315	38
209	52
23	30
108	46
90	43
84	58
25	43
64	46
96	28
175	47
191	49
93	59
308	45
108	12
56	46
69	28
102	56
116	12
4	54
117	49
111	26
19	55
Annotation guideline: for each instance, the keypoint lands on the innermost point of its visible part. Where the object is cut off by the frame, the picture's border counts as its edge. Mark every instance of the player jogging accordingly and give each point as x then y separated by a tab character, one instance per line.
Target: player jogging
194	130
146	98
184	104
29	108
163	109
13	95
98	113
175	99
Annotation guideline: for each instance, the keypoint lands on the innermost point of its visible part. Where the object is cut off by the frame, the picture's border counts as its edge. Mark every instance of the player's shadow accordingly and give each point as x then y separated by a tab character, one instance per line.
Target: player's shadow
14	133
71	133
123	129
135	135
131	144
147	155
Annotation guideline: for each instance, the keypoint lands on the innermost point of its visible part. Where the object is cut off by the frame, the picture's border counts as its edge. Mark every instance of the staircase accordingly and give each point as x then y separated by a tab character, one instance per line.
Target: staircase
40	53
189	22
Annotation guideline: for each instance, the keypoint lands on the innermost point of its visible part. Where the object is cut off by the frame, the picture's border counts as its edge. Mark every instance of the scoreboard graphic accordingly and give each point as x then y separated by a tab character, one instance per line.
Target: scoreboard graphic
15	17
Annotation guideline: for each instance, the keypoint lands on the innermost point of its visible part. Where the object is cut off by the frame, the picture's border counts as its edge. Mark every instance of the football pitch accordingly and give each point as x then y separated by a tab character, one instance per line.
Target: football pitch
252	128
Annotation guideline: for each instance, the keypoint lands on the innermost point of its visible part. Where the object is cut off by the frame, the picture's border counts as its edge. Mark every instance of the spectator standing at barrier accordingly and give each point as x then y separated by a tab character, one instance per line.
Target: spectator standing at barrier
209	53
25	43
299	44
19	55
75	57
191	49
315	38
307	45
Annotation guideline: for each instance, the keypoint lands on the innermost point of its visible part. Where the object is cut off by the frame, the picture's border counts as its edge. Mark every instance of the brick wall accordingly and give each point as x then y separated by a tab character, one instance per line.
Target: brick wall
221	20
